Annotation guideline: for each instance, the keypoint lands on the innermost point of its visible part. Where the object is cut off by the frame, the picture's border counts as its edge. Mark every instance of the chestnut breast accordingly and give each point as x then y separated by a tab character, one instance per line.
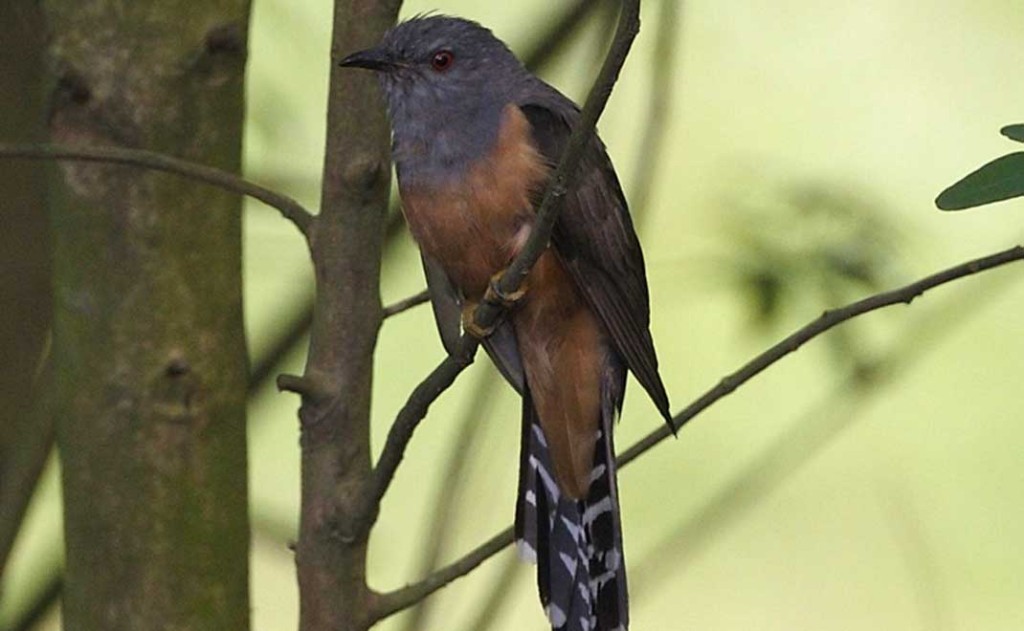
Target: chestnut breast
475	223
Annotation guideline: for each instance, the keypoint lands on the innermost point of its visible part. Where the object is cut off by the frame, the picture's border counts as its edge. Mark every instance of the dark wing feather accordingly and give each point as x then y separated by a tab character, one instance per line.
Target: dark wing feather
444	299
595	240
447	304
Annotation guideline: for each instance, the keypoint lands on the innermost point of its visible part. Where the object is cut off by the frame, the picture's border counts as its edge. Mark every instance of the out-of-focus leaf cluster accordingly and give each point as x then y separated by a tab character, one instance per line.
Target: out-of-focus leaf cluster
808	245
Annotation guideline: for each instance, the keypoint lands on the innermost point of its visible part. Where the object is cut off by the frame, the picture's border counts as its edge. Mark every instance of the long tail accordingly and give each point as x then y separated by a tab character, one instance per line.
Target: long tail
577	545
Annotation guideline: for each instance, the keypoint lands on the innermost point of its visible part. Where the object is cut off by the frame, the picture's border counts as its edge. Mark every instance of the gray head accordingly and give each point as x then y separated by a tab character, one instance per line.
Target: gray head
446	81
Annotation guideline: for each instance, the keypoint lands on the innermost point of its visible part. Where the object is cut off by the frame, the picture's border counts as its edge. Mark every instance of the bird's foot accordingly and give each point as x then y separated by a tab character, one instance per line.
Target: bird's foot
495	295
469	324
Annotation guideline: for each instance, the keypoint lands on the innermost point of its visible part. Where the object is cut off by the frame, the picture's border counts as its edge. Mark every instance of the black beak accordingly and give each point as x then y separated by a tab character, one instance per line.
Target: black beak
371	59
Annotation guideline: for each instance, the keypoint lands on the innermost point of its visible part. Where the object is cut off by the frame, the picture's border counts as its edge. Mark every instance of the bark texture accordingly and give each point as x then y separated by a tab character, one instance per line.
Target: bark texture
149	351
346	243
26	430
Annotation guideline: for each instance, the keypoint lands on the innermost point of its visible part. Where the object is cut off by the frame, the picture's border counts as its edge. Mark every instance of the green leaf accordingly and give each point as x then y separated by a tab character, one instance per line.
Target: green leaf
1000	179
1014	132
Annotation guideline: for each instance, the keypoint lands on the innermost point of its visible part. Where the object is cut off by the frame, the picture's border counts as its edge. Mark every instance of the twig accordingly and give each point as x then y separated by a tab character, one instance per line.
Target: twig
288	207
289	336
453	479
808	436
561	181
393	602
409	417
406	303
488	312
825	322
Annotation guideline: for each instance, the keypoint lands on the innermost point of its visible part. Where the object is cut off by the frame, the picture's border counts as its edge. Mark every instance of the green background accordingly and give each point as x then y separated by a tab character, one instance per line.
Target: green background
804	144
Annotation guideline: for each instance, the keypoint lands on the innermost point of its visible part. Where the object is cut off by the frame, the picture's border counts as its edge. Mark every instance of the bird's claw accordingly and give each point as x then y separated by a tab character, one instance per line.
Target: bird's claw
470	326
495	295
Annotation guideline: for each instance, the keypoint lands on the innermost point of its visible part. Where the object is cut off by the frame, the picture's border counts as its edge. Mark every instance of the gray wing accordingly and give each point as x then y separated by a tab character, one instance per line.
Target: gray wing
596	241
447	304
445	300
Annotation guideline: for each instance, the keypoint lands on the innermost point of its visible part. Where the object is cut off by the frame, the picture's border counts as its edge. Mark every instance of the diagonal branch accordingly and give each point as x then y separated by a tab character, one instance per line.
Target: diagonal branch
834	414
827	320
488	312
393	602
288	207
561	181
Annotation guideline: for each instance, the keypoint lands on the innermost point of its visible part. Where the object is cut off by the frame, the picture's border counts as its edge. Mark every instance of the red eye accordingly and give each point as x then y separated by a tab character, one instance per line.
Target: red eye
442	60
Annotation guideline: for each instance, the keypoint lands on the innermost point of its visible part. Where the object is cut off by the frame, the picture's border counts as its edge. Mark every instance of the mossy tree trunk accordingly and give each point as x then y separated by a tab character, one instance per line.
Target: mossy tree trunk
149	351
26	431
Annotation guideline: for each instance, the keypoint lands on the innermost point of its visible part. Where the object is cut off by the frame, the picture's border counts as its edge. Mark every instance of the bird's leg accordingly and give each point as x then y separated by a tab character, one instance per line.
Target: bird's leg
469	324
493	295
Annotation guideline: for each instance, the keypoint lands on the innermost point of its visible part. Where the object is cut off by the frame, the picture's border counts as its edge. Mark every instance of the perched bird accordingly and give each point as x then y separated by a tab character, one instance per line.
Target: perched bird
475	138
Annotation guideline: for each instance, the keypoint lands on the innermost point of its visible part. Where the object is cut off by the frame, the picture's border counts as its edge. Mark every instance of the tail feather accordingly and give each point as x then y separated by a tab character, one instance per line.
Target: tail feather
577	545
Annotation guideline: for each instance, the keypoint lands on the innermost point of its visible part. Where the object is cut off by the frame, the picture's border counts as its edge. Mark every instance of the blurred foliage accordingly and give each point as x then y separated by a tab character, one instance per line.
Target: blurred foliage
999	180
808	245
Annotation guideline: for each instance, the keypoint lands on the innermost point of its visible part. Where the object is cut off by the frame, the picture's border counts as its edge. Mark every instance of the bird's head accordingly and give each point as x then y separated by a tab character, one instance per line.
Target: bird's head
439	55
446	81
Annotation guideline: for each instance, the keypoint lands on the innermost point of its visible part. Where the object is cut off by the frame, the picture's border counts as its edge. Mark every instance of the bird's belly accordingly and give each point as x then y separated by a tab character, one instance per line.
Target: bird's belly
469	237
474	222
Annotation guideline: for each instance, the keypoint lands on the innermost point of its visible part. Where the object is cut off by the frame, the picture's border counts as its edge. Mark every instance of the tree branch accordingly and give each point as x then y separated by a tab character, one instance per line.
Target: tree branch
346	247
488	312
834	414
405	304
826	321
393	602
561	181
288	207
446	496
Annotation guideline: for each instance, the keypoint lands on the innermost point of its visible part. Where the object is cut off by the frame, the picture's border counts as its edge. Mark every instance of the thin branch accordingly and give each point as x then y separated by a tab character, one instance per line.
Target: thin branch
561	181
488	312
288	207
287	339
813	432
453	480
393	602
408	419
825	322
406	303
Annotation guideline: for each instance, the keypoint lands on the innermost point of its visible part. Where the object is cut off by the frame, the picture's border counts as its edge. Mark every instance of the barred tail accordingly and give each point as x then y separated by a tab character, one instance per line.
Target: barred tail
577	545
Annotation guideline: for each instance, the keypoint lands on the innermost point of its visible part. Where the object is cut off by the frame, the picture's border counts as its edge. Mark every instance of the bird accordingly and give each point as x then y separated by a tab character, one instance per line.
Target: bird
475	138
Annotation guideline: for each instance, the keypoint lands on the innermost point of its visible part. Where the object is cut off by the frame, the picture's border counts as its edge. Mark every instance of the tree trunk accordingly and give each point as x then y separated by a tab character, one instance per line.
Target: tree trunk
26	431
346	245
149	350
